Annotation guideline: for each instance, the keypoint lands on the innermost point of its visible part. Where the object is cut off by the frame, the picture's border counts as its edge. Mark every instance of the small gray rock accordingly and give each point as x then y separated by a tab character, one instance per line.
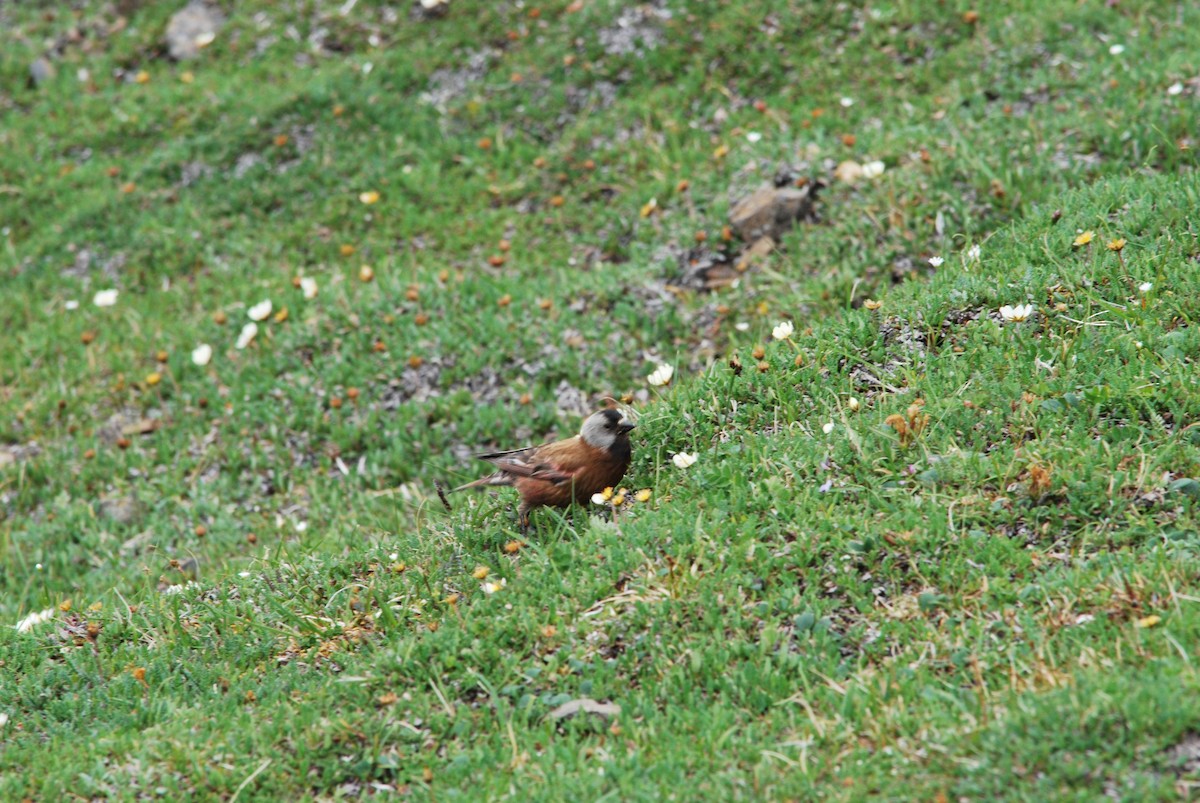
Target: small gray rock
430	9
120	510
584	706
41	71
192	28
137	543
770	211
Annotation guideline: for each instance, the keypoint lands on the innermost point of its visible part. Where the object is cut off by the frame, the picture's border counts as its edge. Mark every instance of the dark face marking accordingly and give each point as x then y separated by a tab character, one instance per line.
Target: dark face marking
611	418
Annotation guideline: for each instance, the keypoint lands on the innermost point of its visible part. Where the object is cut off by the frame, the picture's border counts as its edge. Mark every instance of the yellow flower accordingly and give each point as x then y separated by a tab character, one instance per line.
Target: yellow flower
643	495
872	304
153	378
1085	238
369	198
480	573
1117	244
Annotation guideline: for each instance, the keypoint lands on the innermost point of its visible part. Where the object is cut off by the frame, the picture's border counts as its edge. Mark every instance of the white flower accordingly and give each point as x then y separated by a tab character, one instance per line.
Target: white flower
853	404
1117	50
1175	89
661	375
753	136
260	311
599	499
847	102
742	326
248	333
1016	314
974	253
34	619
827	427
429	5
105	298
493	587
72	304
936	261
308	286
1145	287
683	459
783	331
873	169
202	354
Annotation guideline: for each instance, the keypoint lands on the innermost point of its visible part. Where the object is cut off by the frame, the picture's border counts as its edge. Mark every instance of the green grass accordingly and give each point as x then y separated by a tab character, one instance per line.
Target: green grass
1001	604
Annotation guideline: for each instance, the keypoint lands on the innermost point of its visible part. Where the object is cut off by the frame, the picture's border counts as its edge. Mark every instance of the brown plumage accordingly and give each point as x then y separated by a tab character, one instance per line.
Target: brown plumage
572	470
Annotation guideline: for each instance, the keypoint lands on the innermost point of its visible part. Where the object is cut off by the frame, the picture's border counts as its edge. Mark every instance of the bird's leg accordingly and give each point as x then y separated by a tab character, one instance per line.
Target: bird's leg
523	517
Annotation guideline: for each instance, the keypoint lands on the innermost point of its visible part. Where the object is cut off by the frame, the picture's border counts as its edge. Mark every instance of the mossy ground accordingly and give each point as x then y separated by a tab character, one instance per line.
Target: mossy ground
255	592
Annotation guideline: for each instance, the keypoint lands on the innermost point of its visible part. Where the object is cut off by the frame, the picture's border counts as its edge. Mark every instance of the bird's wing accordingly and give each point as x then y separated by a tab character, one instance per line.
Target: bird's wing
550	462
492	457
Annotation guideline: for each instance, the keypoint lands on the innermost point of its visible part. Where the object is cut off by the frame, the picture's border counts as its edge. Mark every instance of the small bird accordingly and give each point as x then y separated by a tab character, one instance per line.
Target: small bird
572	470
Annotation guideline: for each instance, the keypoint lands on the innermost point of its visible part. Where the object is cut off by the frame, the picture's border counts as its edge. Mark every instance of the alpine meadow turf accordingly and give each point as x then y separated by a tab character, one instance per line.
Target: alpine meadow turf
928	549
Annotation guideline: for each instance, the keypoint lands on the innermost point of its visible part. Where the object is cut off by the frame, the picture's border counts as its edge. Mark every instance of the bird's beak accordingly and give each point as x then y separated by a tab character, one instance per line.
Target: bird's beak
625	426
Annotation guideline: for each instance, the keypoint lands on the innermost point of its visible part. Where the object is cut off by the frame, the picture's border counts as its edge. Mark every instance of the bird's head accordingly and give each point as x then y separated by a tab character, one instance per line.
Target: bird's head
606	428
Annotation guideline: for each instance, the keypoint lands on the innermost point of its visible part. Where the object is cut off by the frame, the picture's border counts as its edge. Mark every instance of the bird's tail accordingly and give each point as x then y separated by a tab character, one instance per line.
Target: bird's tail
484	482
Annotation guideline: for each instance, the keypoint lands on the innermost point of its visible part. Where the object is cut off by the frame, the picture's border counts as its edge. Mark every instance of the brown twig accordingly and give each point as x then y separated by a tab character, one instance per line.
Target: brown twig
441	492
